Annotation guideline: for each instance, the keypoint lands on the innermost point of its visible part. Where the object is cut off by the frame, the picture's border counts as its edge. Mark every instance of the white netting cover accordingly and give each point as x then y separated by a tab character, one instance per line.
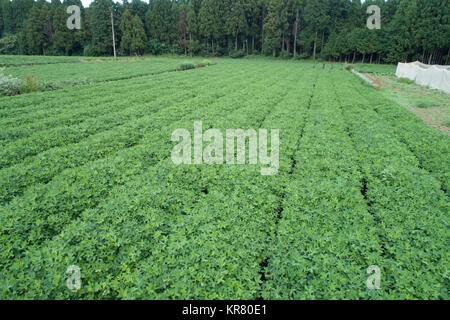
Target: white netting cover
437	77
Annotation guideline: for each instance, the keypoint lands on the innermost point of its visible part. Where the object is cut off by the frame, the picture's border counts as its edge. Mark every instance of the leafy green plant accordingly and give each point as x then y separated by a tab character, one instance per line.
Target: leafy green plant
424	104
349	67
285	55
9	86
237	54
405	80
186	66
86	179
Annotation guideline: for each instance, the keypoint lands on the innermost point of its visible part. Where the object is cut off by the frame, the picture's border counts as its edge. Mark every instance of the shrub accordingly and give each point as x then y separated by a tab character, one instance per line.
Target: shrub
155	47
424	104
186	66
302	56
406	80
201	65
9	86
237	54
207	62
31	84
349	66
8	45
285	55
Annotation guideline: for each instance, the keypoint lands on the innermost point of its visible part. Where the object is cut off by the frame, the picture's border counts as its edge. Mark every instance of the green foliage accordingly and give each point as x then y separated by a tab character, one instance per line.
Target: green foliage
333	30
186	66
349	67
9	86
86	179
285	55
8	45
376	68
424	104
237	54
155	47
405	80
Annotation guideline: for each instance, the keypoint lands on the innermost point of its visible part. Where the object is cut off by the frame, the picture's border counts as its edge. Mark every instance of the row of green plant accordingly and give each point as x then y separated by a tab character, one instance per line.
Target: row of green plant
190	65
91	183
137	120
20	61
326	238
430	147
97	71
156	221
64	109
113	114
351	192
406	200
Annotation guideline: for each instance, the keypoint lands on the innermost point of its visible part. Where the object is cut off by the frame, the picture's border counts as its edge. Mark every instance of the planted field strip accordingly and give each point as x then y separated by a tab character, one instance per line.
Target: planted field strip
43	140
55	103
352	190
430	147
326	238
44	166
167	212
408	205
223	237
96	71
13	60
105	174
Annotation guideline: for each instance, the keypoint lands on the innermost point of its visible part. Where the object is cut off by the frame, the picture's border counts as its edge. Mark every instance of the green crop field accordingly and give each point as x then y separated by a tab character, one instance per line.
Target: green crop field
86	179
96	70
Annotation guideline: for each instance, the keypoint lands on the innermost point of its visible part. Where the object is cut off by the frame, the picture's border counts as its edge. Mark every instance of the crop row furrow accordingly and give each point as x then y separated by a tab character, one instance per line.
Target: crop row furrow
326	238
429	146
221	110
50	206
408	203
44	166
43	140
54	104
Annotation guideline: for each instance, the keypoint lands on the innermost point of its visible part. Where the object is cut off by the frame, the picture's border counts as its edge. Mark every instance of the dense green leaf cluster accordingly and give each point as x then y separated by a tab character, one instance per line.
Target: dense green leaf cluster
86	179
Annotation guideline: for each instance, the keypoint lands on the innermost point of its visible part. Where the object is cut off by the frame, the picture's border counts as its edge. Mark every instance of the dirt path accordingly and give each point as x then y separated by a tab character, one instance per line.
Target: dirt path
410	95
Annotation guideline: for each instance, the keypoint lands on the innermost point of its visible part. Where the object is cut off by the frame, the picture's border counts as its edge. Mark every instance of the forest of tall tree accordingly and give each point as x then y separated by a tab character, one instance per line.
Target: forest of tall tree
325	29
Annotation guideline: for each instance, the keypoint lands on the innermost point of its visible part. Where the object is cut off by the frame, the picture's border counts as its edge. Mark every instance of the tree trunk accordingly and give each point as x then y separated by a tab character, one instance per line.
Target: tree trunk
371	56
262	29
430	58
315	46
113	35
190	39
323	40
235	43
364	57
253	44
354	57
296	33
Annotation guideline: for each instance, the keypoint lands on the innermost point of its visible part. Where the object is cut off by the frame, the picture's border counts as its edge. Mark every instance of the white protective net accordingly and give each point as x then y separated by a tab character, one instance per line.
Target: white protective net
437	77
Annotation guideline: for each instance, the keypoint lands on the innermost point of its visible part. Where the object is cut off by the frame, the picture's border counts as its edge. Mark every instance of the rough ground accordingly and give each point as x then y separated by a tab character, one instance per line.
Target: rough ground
410	95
